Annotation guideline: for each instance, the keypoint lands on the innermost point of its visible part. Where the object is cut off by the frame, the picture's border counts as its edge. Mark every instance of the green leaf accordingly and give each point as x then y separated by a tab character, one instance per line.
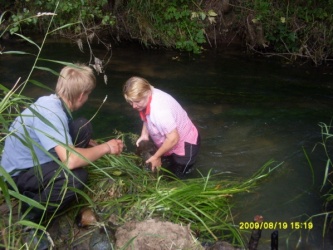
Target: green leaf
59	62
39	84
117	173
16	52
212	13
42	118
47	69
8	178
28	40
13	30
62	27
27	200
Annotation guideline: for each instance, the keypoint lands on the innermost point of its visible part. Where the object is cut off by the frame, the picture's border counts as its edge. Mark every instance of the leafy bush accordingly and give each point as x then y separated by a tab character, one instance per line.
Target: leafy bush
90	13
300	28
176	23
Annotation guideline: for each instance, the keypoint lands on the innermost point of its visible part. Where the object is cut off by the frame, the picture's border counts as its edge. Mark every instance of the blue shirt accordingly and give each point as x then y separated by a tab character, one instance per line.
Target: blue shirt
34	134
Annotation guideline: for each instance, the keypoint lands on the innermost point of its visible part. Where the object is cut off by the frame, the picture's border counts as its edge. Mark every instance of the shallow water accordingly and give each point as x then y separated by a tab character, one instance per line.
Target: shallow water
249	110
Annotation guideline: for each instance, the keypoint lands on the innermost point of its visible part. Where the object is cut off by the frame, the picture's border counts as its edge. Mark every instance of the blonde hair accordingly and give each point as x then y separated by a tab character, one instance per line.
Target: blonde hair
136	88
75	80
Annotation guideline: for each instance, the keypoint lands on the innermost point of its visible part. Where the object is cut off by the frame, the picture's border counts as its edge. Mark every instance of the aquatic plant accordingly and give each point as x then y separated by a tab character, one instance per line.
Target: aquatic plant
325	217
327	184
203	203
118	187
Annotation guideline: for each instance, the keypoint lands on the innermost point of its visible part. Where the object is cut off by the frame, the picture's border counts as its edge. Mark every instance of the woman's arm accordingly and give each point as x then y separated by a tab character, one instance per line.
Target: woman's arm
144	134
171	140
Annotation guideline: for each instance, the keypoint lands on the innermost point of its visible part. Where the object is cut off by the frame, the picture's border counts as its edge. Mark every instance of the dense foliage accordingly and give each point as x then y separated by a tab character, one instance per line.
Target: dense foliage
292	29
297	28
327	186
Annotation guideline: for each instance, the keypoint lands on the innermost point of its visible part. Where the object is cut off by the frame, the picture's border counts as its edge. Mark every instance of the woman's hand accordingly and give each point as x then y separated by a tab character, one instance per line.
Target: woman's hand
142	138
144	134
156	162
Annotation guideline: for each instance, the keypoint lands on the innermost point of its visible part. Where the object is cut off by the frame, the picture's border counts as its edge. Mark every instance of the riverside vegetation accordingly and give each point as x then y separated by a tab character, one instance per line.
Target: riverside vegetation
289	29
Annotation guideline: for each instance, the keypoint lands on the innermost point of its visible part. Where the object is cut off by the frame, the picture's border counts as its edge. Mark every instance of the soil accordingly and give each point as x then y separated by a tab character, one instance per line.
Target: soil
155	235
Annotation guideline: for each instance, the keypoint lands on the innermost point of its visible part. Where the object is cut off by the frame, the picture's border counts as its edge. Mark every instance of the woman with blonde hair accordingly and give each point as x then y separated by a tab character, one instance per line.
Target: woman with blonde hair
167	124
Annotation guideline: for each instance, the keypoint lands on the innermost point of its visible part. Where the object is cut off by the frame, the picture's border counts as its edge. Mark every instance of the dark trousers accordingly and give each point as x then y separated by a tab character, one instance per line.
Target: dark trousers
180	165
50	183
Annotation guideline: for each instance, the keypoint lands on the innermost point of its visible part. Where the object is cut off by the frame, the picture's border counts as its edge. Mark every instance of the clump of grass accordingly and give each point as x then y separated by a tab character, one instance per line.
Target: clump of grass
134	194
327	185
118	187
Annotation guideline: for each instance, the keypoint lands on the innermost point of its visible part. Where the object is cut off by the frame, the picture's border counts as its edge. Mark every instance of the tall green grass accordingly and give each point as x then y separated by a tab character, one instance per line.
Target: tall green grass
12	102
204	203
327	184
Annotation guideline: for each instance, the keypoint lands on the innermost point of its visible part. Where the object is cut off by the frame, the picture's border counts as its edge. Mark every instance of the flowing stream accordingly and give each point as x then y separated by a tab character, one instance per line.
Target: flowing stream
249	111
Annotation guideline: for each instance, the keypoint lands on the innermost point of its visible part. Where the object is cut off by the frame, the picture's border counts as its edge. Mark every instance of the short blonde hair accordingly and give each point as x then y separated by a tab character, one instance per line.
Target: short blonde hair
136	88
75	80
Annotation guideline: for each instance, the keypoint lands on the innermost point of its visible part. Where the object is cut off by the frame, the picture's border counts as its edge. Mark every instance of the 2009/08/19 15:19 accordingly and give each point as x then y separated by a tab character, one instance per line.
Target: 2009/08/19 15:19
276	225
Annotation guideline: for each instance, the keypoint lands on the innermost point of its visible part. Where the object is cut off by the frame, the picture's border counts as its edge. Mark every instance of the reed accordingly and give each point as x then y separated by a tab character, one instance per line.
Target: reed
204	203
327	185
12	102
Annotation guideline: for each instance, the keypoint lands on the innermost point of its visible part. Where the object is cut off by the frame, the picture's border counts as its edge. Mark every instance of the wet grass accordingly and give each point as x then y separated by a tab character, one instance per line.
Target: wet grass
327	184
118	187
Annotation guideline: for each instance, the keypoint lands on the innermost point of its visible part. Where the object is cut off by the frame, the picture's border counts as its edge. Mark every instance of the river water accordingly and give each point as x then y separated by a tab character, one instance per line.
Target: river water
249	110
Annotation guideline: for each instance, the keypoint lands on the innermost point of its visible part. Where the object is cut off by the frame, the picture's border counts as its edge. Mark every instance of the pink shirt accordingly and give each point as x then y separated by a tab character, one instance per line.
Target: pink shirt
165	115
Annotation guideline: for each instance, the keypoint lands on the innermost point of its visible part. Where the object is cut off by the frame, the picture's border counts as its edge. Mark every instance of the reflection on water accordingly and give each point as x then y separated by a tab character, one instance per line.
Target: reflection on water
248	110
